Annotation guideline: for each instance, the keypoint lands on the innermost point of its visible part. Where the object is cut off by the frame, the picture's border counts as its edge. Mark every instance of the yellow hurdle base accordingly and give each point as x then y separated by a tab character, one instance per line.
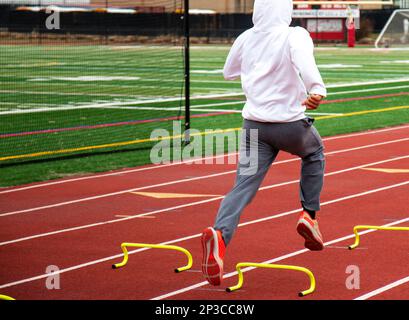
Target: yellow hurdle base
124	247
357	228
4	297
241	265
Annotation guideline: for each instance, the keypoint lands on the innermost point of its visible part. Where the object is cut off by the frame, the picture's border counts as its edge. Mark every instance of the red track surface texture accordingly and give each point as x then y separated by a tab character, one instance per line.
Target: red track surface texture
78	225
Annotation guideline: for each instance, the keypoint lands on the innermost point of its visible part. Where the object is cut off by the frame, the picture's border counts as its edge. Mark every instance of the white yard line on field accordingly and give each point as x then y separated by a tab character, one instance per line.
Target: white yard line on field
127	104
368	90
367	83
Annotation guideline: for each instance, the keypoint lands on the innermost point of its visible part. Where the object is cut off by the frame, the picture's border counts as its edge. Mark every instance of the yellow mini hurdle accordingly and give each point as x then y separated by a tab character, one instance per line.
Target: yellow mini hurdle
4	297
124	247
357	228
241	265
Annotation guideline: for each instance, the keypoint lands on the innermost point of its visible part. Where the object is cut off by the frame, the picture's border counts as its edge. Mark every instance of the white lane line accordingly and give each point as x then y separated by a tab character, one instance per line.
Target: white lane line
290	255
60	204
383	289
122	172
127	216
123	103
203	96
67	93
116	173
217	104
217	110
180	181
193	107
243	102
368	90
201	108
240	111
42	276
184	205
366	133
354	84
5	214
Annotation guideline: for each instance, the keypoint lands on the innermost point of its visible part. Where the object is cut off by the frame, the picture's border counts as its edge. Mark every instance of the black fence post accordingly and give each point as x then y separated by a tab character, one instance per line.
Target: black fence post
186	18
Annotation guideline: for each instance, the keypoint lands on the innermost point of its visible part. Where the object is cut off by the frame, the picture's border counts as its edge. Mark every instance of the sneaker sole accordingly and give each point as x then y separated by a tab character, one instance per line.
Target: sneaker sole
311	242
212	266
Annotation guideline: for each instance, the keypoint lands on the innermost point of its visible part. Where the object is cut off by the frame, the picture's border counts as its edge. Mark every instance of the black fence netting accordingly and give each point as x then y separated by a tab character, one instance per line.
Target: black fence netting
88	77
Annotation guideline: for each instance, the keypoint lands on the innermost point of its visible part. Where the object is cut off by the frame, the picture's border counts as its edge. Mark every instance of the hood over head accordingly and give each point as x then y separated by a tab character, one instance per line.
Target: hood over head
268	14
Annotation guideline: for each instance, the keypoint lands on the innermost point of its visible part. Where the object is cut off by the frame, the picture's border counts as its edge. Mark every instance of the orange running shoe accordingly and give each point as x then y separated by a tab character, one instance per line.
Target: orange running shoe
309	230
213	254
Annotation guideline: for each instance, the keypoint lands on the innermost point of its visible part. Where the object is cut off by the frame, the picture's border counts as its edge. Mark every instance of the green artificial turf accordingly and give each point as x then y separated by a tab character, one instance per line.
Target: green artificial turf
72	88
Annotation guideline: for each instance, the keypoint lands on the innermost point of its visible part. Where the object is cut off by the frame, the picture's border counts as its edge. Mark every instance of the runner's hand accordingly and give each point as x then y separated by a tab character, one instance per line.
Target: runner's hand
313	101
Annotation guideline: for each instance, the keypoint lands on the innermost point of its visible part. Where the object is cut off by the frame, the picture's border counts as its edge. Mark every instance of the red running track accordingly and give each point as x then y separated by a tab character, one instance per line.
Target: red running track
78	225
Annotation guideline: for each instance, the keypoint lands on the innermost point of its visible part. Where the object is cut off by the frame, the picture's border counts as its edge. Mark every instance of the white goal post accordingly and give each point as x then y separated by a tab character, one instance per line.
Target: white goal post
396	31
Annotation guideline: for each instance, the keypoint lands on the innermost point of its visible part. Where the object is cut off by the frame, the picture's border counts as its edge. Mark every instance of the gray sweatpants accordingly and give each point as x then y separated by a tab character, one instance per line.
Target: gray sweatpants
299	138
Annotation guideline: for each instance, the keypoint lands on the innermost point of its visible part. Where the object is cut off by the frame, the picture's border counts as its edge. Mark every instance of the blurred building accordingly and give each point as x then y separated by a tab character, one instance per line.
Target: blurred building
245	6
224	6
220	6
404	4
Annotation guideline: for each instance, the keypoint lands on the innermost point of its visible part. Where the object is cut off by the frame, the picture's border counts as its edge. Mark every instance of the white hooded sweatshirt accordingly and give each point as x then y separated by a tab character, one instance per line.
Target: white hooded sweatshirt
276	65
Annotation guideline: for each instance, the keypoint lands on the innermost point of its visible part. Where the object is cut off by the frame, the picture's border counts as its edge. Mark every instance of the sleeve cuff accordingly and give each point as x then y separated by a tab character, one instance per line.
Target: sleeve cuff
322	91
